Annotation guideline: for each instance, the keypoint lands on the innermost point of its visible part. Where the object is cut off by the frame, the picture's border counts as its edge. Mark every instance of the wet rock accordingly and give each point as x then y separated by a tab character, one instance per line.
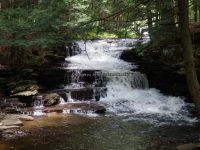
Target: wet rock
8	127
50	77
11	122
12	110
100	110
12	133
80	107
88	76
26	93
22	88
25	90
11	105
72	49
160	76
128	56
191	146
51	99
21	117
84	94
14	121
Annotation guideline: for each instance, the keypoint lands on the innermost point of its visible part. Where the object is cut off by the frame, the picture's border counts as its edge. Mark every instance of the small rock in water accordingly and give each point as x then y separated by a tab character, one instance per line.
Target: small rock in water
192	146
100	110
51	99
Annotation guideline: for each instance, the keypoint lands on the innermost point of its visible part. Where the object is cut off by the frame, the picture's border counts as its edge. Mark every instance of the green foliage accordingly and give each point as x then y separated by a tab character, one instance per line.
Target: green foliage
40	25
28	26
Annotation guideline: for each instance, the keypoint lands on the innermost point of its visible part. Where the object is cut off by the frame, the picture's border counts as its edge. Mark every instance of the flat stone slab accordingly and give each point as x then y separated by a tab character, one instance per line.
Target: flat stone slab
11	122
15	119
26	93
8	127
21	117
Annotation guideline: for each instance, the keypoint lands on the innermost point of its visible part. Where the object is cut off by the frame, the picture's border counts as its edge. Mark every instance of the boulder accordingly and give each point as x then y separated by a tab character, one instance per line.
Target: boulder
51	99
26	87
191	146
23	88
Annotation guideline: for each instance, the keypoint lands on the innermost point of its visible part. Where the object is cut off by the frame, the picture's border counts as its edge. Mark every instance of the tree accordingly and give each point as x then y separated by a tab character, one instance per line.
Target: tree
191	76
30	30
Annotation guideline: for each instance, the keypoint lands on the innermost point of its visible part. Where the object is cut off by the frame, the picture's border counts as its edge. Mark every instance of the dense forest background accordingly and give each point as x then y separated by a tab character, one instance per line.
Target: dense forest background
30	30
34	33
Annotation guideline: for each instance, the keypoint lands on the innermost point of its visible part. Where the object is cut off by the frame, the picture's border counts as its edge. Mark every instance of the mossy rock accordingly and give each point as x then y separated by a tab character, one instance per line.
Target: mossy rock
51	99
28	87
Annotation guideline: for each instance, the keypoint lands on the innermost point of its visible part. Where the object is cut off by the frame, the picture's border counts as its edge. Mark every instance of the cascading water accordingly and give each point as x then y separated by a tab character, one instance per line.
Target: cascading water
127	92
38	105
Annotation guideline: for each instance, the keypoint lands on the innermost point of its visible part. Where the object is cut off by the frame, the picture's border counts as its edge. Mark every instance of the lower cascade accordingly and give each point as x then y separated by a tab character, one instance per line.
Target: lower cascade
127	92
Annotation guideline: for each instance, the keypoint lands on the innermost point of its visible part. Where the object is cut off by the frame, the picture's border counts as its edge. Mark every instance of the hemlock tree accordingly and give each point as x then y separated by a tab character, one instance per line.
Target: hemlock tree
191	76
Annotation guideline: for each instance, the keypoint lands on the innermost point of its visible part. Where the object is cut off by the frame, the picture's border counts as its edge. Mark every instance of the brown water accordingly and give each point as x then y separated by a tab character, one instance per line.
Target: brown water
74	132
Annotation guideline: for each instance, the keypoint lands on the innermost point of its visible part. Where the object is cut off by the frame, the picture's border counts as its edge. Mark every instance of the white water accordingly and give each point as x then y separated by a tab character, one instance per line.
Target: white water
127	92
38	103
101	56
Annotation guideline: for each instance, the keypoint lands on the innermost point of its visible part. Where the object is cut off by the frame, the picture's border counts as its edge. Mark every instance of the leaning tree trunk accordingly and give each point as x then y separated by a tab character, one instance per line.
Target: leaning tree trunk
191	75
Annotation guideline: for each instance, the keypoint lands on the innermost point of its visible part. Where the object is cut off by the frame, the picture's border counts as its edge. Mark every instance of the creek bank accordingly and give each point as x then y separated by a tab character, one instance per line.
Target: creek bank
10	124
160	76
9	121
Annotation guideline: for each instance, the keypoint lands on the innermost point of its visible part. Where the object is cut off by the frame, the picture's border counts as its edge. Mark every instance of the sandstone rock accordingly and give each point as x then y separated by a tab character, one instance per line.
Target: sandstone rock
21	117
8	127
26	93
26	87
23	89
12	122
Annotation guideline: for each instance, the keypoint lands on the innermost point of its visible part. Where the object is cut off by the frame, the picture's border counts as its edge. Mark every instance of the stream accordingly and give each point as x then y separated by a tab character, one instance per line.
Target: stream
137	117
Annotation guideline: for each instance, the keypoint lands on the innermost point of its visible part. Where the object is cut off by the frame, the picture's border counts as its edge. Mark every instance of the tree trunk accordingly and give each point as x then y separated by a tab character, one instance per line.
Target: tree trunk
195	7
191	75
167	22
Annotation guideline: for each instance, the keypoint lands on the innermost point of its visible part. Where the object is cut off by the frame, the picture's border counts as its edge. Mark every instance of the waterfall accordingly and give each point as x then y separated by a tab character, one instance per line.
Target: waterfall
125	91
38	105
38	102
70	100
